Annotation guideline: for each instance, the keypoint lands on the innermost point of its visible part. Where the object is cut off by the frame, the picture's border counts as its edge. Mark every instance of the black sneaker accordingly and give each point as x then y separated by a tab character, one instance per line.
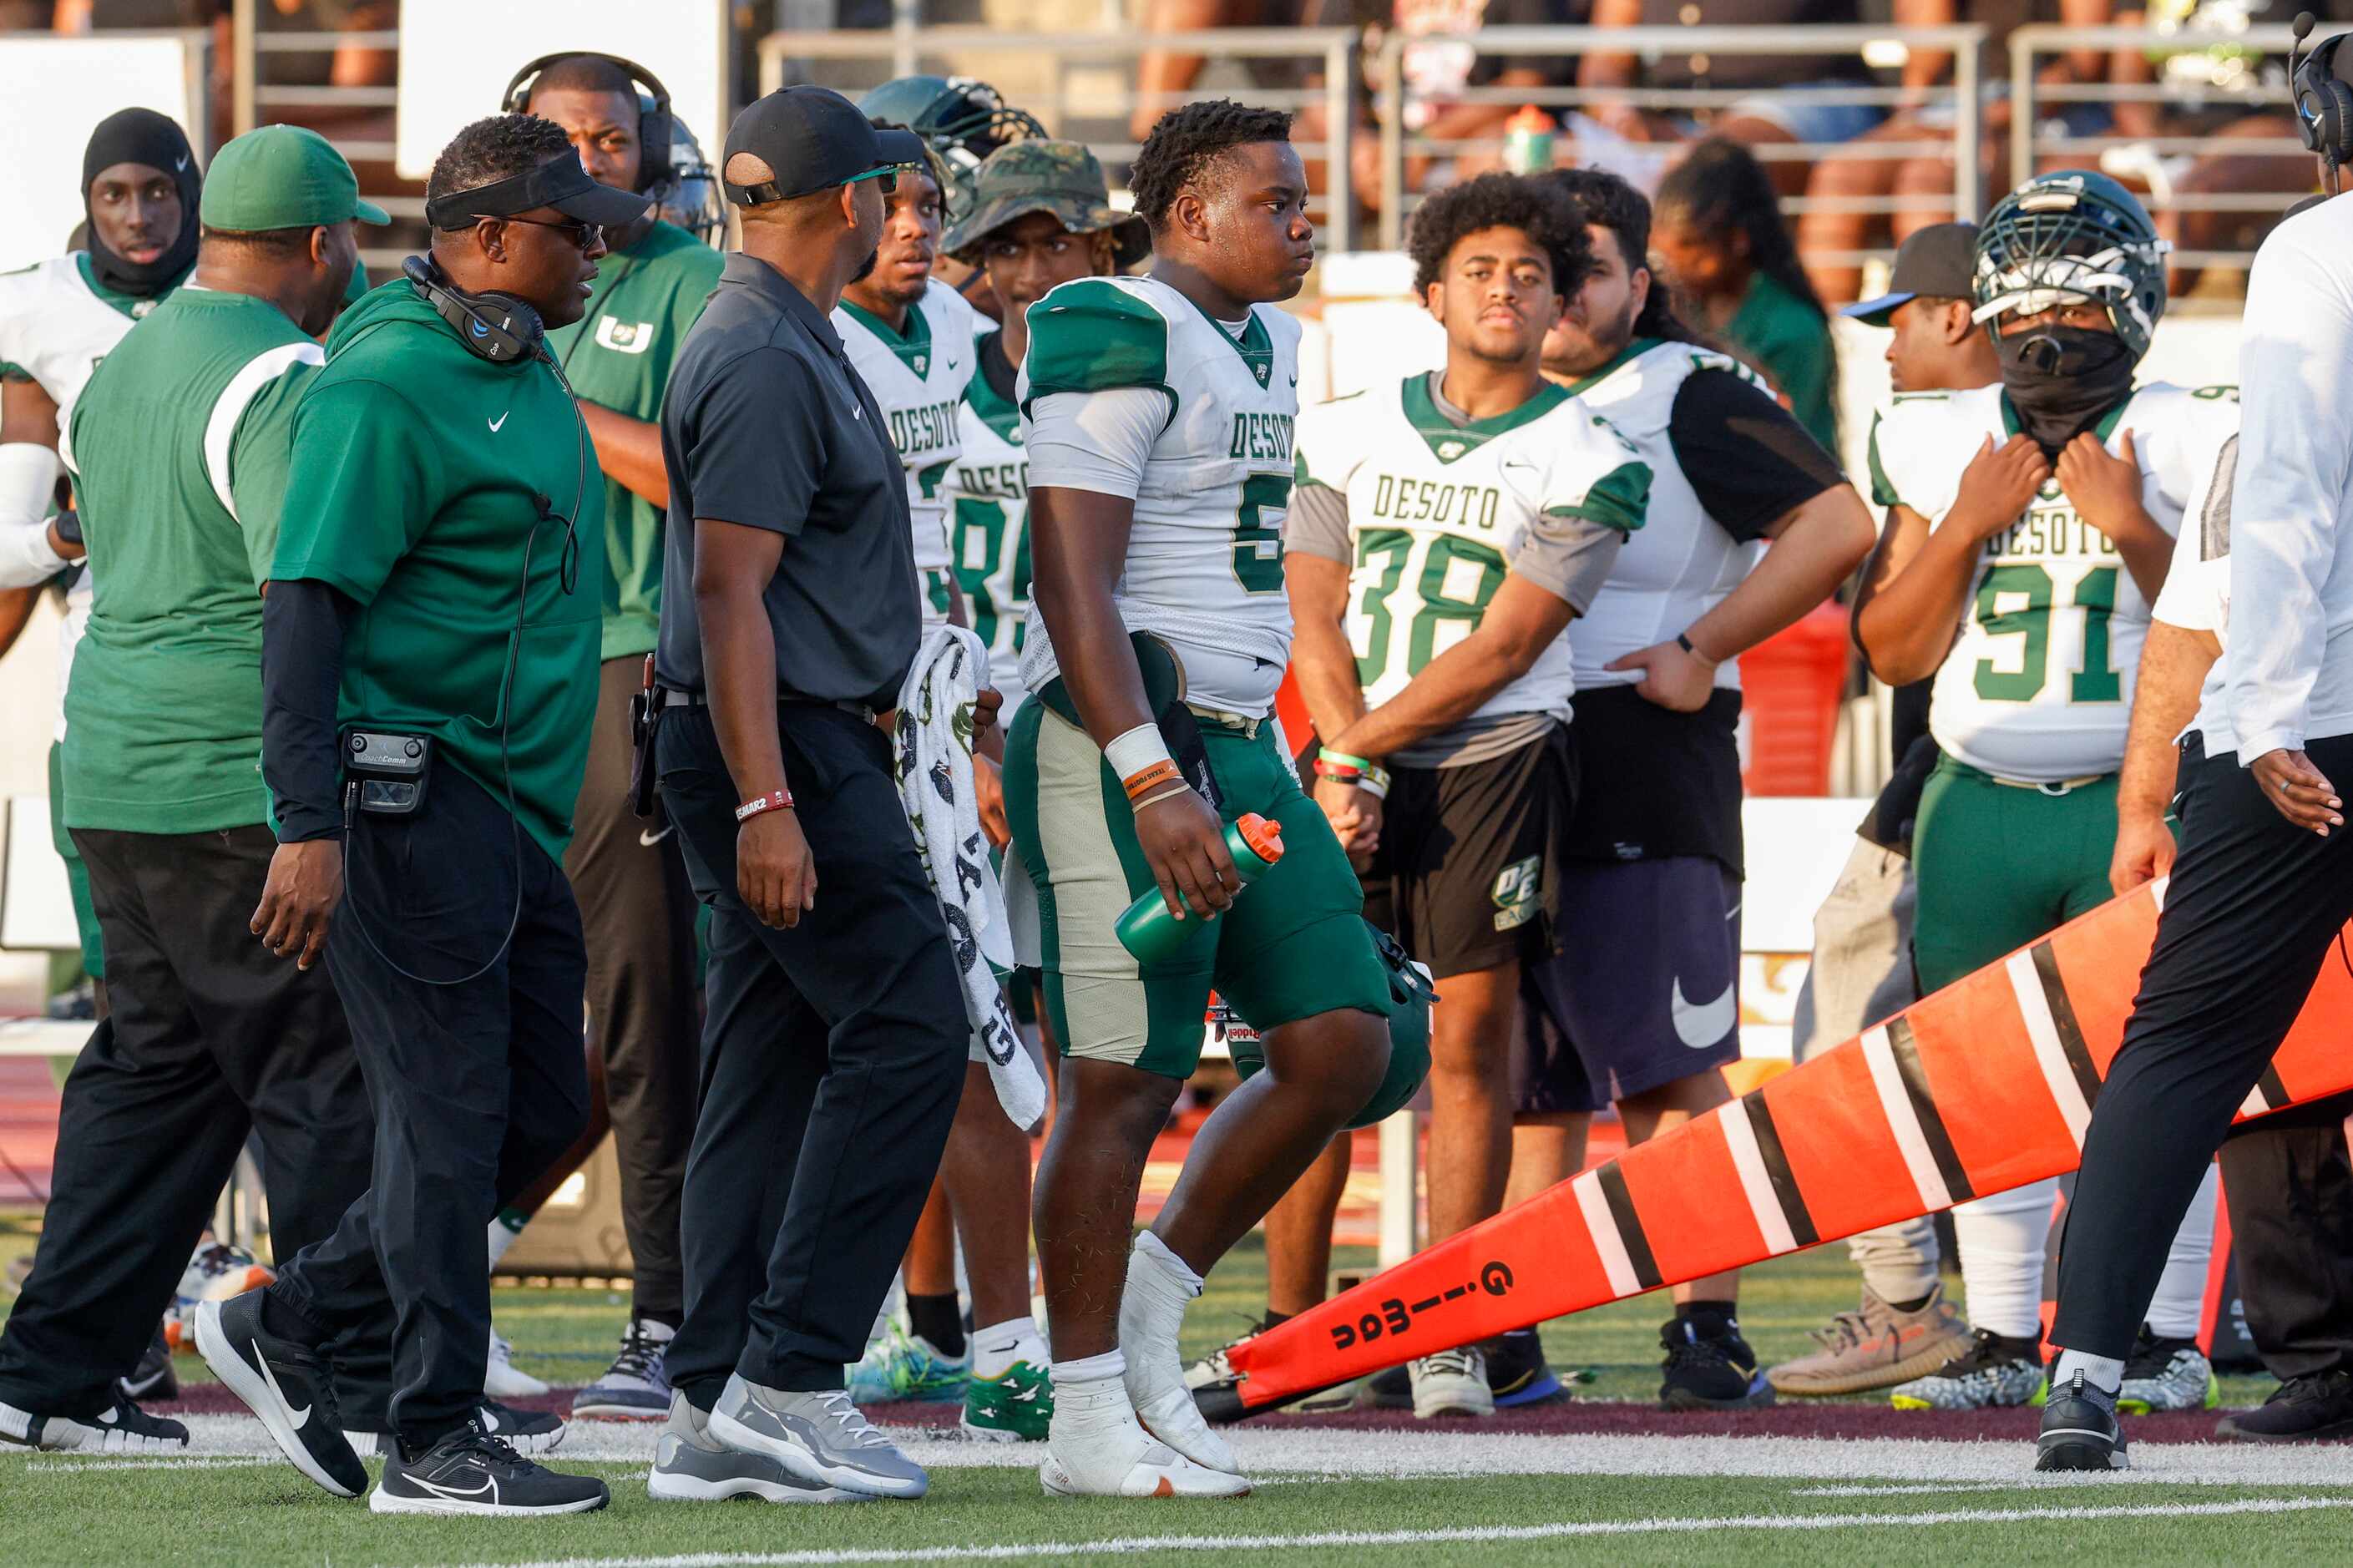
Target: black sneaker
1518	1373
1389	1389
528	1432
153	1378
2307	1409
470	1472
122	1429
1709	1366
2079	1429
287	1384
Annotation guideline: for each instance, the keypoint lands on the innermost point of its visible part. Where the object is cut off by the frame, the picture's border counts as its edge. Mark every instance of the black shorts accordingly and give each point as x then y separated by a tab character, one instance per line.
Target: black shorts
1644	989
1464	873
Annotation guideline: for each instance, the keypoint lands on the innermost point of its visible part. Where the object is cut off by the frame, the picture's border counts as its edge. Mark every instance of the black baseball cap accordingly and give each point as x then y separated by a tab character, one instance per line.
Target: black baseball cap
812	138
560	183
1939	261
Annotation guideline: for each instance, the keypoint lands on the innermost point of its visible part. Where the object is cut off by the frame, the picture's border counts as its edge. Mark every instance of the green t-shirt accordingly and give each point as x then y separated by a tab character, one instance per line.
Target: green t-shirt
180	443
418	476
617	355
1775	331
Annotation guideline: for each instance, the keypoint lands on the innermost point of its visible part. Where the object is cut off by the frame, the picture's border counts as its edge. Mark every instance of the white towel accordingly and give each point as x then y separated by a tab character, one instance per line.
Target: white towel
935	785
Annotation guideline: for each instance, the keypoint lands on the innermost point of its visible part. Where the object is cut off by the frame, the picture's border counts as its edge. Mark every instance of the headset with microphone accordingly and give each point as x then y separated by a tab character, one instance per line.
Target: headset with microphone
499	327
2323	104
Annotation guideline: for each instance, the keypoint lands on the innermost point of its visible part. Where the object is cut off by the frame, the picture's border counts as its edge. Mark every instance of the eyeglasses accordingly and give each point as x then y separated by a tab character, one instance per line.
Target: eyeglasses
585	237
886	178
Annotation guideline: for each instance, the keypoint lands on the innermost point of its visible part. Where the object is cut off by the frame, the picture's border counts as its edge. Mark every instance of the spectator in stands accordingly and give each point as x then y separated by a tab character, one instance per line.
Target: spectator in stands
1720	243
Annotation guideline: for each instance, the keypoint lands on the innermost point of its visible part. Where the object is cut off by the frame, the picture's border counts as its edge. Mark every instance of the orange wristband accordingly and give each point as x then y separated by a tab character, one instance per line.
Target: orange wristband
1143	781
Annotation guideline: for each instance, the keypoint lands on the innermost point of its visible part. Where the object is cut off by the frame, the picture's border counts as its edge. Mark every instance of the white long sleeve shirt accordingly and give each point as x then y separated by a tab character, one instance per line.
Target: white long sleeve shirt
2289	665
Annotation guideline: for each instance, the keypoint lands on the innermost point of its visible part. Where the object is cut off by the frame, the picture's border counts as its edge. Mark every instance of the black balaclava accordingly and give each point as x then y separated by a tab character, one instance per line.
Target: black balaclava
143	136
2061	380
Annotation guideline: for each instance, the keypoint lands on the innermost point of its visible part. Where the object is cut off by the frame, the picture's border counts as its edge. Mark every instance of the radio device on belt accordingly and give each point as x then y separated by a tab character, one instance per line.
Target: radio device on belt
387	771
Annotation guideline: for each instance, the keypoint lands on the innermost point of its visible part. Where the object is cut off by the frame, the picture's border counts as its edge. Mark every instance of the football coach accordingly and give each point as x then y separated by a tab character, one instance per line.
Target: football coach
833	1054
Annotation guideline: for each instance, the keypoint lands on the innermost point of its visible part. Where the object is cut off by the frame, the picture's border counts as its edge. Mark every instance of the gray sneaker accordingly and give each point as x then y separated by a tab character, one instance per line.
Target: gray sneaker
691	1466
818	1436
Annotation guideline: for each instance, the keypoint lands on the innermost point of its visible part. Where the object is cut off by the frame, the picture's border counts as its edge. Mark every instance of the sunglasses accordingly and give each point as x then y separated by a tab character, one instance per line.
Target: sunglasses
886	178
583	236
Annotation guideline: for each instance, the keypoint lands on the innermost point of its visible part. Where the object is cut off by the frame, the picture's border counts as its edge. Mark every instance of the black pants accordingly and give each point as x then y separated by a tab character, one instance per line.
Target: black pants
637	912
832	1061
2289	1182
2252	912
477	1087
211	1036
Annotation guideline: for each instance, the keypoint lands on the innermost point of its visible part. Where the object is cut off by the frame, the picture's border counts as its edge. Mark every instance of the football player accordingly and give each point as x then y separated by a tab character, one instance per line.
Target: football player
2030	525
964	122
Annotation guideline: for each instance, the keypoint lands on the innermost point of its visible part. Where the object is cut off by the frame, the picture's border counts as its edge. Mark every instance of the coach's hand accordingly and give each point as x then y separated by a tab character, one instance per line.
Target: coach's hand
2298	791
1676	679
2145	851
1998	486
774	874
1185	844
1355	819
298	900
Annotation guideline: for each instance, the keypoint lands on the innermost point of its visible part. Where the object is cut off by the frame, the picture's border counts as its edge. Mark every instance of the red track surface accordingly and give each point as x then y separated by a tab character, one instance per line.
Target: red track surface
28	1128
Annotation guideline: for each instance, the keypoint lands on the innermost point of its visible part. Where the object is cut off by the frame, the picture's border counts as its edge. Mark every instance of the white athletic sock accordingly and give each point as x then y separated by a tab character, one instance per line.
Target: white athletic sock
505	1226
2179	1303
1170	1267
2101	1371
1090	1394
2001	1242
999	1345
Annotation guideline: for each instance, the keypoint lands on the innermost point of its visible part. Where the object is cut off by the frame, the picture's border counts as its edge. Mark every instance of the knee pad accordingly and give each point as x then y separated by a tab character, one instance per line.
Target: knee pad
1410	995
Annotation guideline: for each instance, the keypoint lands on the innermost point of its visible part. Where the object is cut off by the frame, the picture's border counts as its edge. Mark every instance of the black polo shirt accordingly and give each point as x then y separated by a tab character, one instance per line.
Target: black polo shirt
764	424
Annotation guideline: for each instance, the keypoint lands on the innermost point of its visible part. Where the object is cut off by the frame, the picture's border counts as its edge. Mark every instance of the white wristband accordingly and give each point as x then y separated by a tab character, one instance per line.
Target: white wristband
28	481
1138	749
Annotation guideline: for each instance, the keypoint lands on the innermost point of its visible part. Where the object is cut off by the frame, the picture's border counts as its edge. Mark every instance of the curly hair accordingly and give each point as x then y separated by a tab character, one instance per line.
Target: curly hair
493	149
1186	140
1535	207
1608	200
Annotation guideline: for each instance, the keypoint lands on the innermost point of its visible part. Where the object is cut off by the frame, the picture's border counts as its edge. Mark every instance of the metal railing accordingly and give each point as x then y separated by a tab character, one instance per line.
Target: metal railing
1066	106
257	100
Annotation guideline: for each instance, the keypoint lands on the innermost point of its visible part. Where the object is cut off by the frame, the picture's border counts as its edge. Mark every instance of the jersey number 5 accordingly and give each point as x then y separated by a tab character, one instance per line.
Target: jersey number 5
2096	595
1257	544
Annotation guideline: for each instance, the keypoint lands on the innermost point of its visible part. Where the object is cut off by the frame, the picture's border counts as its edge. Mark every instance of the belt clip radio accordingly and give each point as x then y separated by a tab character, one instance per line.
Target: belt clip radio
387	771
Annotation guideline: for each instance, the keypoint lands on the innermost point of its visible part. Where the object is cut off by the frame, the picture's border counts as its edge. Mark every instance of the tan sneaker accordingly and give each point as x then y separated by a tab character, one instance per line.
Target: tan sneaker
1876	1346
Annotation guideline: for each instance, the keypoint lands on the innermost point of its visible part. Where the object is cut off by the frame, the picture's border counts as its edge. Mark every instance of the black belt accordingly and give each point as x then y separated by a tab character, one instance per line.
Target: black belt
672	696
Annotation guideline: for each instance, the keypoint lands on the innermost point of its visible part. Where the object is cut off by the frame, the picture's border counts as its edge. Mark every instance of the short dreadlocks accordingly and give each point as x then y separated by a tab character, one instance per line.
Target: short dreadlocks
1536	207
1185	140
494	149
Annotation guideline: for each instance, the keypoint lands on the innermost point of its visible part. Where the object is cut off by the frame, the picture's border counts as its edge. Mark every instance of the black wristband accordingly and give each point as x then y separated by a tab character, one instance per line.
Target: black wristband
1683	643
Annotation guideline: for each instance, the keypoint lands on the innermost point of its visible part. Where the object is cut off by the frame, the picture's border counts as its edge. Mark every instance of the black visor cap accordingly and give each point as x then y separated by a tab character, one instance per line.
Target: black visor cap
560	183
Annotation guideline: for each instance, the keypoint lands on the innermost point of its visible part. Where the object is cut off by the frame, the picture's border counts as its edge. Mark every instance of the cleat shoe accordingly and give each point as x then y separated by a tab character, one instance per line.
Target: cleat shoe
286	1384
1098	1448
122	1429
471	1472
2316	1407
153	1378
1518	1373
1451	1383
899	1367
1217	1387
2167	1374
1994	1373
218	1271
691	1466
819	1435
1709	1366
1876	1346
528	1432
2080	1430
1017	1406
502	1379
633	1388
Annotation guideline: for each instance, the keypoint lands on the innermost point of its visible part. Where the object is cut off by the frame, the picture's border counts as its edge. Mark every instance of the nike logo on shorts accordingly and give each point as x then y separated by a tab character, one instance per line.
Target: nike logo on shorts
1703	1025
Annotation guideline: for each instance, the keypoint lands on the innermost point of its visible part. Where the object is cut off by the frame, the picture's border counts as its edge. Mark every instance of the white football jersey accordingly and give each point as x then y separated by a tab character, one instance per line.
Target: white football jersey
2196	592
1205	556
1681	564
917	378
987	496
56	324
1437	513
2039	685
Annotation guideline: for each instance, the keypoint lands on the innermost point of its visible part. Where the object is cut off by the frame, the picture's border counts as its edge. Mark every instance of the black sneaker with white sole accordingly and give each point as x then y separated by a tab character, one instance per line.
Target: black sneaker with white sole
2080	1431
286	1384
122	1429
153	1378
2314	1407
471	1472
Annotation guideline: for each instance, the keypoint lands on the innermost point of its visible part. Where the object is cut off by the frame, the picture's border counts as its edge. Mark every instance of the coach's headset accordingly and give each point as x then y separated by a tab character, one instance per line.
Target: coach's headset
2323	104
657	125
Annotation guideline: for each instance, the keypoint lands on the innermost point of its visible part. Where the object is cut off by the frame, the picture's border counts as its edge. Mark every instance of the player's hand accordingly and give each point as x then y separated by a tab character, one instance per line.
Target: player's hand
1185	844
985	708
1676	681
988	790
2144	852
1355	815
65	538
2105	490
1998	486
2298	791
775	874
299	899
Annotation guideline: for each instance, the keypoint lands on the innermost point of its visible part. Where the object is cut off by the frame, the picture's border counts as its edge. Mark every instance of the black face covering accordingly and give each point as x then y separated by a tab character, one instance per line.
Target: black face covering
143	136
2063	379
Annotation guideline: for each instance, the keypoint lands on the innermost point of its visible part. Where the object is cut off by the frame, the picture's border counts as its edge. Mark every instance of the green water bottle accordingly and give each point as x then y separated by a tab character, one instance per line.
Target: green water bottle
1148	931
1527	141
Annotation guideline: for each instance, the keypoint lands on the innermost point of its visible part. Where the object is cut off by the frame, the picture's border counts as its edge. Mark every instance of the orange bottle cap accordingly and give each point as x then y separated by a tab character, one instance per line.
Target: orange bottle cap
1264	837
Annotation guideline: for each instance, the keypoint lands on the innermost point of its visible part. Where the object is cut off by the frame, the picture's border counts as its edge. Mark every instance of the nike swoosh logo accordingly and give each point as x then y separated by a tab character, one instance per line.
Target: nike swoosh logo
499	421
489	1489
1702	1026
489	1420
295	1418
180	167
651	839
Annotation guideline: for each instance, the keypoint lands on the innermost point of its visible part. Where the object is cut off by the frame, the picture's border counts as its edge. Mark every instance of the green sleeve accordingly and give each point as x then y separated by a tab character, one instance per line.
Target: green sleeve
260	457
1882	489
363	484
1091	336
1619	498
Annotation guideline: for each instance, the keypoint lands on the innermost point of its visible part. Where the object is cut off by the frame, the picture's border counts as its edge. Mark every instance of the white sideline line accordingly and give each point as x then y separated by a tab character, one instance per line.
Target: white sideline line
1934	1488
178	1462
1131	1545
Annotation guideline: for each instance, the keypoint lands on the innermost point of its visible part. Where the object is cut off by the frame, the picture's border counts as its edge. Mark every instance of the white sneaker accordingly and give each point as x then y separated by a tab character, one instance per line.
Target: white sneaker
1095	1457
1451	1382
502	1379
1150	1316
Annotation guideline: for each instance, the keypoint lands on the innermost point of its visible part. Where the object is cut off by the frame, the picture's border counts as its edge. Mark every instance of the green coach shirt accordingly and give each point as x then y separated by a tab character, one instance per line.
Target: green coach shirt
179	445
418	476
617	355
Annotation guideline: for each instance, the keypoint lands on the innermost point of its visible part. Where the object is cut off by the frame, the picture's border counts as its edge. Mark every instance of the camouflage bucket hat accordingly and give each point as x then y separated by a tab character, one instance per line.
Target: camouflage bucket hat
1042	175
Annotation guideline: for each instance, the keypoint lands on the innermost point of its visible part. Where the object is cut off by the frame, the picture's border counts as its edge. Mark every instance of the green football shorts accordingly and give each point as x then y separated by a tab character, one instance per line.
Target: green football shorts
1294	945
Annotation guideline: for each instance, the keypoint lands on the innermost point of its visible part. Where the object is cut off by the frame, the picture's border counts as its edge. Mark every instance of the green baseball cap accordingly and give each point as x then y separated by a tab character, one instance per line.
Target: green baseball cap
282	176
1045	175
